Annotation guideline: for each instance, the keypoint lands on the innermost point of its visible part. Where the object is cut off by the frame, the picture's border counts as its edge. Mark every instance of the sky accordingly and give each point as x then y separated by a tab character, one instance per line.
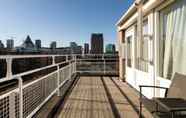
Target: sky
63	21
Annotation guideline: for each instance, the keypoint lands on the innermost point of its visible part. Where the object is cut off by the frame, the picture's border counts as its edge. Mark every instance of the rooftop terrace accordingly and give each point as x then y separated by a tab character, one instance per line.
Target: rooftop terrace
76	87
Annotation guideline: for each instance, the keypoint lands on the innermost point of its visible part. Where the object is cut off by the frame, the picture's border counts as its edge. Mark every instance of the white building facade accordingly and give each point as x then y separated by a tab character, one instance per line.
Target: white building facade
152	43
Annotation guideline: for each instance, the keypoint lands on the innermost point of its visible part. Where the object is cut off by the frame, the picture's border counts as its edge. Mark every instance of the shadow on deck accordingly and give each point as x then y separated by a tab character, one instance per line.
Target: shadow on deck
101	97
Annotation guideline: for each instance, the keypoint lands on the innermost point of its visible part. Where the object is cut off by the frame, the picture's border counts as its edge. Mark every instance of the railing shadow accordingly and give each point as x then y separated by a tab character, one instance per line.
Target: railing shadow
127	98
111	101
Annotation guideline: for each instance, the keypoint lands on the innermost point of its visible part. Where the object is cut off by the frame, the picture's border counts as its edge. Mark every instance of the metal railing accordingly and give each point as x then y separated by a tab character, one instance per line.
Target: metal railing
28	97
102	64
22	97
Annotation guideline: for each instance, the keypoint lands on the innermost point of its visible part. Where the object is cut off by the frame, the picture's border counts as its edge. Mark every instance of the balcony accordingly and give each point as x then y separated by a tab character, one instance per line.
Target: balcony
65	86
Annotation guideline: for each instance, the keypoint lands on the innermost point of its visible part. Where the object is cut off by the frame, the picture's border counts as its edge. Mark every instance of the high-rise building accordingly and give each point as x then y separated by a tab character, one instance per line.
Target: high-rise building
53	45
73	44
97	43
110	48
27	47
1	44
75	49
10	43
86	48
28	43
38	43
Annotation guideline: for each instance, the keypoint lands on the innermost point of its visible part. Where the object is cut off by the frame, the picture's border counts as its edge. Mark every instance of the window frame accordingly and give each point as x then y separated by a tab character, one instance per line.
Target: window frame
163	8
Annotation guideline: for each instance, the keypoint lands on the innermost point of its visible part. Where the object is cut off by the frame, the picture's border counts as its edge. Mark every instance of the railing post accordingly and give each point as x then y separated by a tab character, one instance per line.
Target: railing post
9	68
104	64
58	81
70	68
53	60
63	74
75	67
68	65
66	58
20	97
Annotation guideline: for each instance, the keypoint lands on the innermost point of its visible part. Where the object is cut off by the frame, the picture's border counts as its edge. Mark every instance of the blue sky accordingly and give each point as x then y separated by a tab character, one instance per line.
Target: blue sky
60	20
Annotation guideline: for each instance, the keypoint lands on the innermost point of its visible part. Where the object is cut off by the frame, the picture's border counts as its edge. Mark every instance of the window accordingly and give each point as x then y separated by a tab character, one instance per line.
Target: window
129	51
172	44
163	20
141	48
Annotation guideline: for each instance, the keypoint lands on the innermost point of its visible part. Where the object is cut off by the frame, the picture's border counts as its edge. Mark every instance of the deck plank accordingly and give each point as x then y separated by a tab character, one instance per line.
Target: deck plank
132	95
123	106
89	99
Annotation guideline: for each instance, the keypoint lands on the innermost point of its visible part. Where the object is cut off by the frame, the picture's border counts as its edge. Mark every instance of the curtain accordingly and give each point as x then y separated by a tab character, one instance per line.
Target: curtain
175	41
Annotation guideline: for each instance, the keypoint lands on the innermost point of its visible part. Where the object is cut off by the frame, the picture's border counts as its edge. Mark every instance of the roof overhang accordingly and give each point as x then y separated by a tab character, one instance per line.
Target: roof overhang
127	14
149	5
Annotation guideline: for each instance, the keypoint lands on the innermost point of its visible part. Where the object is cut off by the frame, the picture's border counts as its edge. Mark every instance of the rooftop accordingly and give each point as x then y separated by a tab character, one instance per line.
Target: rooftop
69	86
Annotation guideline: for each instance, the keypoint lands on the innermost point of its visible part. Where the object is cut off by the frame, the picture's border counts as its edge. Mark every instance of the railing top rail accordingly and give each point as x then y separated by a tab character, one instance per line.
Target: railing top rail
14	76
37	56
26	56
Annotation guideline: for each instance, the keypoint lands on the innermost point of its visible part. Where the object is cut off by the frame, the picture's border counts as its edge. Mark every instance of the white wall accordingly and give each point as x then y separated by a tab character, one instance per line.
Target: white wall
136	77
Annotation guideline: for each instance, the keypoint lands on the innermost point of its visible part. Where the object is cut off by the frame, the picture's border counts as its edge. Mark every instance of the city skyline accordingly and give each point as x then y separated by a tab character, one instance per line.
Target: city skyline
9	43
63	21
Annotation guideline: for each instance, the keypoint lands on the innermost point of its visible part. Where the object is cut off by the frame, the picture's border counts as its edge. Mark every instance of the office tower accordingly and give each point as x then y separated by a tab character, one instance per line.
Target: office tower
10	43
86	48
28	43
38	43
1	44
97	43
53	45
110	48
73	44
75	49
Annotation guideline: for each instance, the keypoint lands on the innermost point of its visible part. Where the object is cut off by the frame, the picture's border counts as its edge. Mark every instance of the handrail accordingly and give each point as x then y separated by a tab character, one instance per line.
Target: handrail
37	56
9	59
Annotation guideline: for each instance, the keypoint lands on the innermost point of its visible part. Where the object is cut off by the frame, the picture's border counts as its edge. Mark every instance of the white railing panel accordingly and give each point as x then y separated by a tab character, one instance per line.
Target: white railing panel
36	93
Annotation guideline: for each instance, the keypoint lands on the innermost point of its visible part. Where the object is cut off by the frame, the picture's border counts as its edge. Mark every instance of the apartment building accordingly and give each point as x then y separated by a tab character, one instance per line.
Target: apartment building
152	43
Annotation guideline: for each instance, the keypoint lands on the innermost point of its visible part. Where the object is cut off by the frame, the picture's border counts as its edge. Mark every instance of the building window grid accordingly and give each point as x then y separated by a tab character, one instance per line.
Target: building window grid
141	47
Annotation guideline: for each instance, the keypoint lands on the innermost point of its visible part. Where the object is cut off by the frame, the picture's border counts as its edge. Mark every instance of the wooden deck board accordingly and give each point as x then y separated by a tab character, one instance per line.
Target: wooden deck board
132	95
89	99
123	106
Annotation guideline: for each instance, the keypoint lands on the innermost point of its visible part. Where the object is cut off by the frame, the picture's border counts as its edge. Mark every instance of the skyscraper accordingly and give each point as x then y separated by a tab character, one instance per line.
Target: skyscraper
86	48
28	43
75	48
73	44
53	45
97	43
110	48
10	43
38	43
1	44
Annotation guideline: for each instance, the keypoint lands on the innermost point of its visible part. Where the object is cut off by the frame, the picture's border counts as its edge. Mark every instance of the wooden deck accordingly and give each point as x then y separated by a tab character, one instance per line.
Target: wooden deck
102	97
